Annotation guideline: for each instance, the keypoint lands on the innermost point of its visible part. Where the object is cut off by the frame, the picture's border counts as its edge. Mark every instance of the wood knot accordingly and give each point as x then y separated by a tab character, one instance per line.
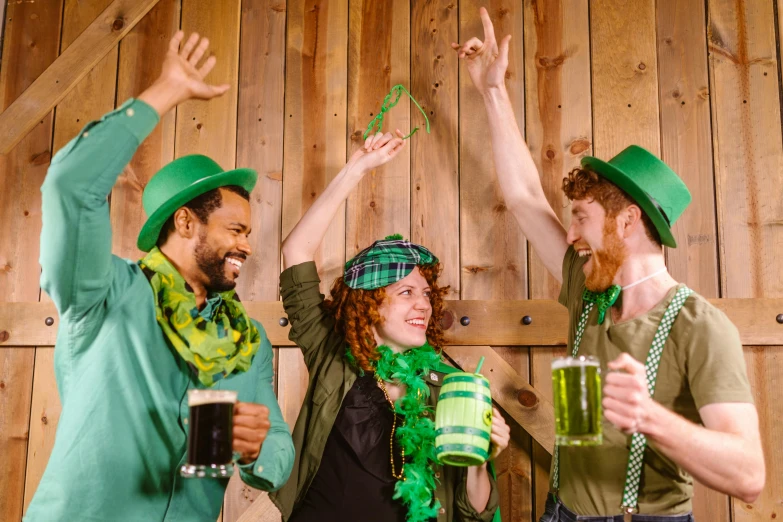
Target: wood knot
372	204
642	66
550	154
4	336
447	320
2	385
527	398
118	24
578	146
44	420
42	158
198	126
356	135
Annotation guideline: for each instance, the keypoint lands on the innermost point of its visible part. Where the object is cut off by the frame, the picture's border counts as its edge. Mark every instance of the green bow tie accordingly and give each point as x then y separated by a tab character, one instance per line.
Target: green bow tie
603	300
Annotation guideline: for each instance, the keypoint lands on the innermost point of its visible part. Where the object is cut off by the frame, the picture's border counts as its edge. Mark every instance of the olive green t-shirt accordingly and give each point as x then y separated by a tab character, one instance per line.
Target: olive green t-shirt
702	363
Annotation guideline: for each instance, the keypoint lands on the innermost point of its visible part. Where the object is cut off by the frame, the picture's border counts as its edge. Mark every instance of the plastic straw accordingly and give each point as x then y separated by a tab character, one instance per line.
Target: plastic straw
481	361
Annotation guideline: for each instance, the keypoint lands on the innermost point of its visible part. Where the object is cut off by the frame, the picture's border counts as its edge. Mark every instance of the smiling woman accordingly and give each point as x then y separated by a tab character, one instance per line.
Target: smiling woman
365	432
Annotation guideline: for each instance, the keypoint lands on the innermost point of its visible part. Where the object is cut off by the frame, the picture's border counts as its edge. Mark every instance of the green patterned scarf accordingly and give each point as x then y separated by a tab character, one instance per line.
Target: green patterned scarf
213	349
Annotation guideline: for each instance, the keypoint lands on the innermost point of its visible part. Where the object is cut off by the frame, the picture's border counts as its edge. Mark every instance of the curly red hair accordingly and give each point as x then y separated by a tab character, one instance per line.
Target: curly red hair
356	311
583	183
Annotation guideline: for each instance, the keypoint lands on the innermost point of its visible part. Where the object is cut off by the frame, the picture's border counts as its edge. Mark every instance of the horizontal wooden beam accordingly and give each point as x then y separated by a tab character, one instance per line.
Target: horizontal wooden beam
511	391
78	59
494	323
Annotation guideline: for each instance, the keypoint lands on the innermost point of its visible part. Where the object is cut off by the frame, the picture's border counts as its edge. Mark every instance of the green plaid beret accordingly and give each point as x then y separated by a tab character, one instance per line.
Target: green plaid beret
385	262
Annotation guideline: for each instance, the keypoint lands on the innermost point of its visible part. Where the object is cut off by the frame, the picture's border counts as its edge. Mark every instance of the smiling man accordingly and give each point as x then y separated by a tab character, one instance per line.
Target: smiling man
134	337
677	401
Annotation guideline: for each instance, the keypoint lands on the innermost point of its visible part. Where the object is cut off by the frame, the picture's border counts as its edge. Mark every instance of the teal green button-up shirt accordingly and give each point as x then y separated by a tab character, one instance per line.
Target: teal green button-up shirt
122	433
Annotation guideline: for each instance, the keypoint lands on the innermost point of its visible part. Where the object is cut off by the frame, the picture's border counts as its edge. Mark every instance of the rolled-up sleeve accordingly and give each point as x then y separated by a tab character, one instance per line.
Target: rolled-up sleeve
465	510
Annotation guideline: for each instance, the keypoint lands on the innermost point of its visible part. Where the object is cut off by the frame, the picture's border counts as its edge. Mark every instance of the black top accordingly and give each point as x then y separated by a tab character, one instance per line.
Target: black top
354	481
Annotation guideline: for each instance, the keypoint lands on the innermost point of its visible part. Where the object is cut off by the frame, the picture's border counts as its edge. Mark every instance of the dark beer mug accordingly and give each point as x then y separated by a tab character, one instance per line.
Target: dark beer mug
210	434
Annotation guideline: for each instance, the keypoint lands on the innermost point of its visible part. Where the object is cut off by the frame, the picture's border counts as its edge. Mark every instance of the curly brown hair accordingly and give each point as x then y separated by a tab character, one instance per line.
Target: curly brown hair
582	183
355	312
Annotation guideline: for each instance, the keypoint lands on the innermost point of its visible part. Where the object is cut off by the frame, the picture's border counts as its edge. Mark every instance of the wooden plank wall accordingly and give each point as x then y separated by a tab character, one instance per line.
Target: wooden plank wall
695	82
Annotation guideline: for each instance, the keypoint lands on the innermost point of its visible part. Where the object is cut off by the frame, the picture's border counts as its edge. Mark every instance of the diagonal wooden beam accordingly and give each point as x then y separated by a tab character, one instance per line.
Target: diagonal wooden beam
60	77
511	391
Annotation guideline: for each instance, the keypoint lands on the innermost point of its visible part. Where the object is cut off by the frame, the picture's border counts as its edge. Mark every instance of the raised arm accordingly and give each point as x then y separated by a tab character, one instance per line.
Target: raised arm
302	242
76	257
517	174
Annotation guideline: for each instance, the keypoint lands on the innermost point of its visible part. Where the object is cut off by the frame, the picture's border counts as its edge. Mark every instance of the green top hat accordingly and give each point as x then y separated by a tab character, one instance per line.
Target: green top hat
650	183
177	183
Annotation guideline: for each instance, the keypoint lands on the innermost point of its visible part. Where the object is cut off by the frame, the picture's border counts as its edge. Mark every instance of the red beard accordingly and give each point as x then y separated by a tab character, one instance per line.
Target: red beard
607	261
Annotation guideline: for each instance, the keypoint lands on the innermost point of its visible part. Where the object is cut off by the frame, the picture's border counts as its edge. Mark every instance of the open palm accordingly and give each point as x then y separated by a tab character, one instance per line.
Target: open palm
180	68
487	62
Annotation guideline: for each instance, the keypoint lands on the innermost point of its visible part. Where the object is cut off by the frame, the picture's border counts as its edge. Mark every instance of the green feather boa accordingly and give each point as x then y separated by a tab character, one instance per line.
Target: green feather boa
416	435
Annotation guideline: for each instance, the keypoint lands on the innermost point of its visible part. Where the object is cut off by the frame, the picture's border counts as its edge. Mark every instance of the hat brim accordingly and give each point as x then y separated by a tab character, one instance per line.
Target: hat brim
148	236
637	194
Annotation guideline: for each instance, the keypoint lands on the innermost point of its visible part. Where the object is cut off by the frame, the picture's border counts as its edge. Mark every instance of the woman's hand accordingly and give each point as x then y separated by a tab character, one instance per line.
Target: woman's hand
377	150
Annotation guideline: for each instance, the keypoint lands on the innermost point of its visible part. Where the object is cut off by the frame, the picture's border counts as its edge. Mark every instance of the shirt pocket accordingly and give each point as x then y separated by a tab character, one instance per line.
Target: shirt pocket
320	393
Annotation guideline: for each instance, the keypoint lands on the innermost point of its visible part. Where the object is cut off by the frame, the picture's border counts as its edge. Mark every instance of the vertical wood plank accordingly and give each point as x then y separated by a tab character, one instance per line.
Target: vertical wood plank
435	162
541	379
16	382
686	146
31	44
314	148
260	146
378	59
765	368
748	176
747	141
559	134
93	96
210	128
625	77
514	466
44	416
142	52
493	253
260	139
687	140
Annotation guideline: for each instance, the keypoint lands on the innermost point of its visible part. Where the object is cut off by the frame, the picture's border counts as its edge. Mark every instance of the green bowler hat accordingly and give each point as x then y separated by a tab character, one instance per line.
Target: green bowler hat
177	183
658	191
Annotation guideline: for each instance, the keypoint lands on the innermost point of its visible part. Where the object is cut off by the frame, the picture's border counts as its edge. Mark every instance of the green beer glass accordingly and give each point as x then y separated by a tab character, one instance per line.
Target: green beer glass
576	387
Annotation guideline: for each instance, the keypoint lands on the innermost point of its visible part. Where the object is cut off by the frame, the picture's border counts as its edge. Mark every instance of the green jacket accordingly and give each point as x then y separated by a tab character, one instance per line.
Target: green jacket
121	438
330	379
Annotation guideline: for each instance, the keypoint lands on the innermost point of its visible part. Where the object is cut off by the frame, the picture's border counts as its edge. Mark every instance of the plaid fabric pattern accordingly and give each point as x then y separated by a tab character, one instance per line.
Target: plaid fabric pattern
385	262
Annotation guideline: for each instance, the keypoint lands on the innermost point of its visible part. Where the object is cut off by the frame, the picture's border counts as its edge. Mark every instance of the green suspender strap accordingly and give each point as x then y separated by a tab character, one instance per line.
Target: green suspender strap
638	441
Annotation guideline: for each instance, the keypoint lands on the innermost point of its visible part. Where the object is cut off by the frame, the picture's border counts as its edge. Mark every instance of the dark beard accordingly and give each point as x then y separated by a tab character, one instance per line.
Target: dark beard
607	261
213	266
